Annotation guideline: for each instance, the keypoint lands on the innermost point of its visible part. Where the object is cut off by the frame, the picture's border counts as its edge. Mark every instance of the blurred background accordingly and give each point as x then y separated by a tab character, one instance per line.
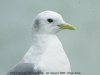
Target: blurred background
82	46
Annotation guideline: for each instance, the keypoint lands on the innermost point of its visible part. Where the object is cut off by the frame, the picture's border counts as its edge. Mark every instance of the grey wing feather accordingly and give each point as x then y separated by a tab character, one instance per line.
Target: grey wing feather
23	69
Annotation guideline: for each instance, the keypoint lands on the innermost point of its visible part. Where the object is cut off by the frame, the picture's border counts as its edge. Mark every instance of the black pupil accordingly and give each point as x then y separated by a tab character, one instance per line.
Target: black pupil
50	20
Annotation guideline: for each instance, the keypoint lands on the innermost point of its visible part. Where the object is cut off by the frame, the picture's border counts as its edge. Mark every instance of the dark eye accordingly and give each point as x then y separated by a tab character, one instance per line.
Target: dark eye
50	20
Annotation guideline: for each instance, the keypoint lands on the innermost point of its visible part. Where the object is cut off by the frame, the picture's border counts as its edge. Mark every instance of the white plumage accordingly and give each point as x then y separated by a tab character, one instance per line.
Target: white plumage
46	53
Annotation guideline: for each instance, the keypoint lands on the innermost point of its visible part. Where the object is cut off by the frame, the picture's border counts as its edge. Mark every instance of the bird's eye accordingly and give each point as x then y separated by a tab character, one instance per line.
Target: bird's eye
50	20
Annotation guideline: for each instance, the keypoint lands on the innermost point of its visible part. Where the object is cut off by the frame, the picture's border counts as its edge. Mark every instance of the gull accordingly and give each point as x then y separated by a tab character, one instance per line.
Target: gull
46	54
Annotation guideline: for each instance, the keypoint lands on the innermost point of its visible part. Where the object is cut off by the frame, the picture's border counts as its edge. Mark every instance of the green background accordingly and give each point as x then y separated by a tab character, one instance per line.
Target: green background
82	46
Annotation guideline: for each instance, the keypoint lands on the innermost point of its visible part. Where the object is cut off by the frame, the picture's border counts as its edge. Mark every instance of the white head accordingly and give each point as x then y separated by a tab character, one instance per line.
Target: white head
50	22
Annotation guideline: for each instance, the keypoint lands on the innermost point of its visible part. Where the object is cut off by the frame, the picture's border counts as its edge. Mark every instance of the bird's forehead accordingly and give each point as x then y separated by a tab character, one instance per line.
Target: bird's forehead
49	14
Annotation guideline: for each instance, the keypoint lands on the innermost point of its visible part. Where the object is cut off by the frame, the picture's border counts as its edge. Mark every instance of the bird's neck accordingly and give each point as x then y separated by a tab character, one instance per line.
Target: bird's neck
42	40
42	44
42	37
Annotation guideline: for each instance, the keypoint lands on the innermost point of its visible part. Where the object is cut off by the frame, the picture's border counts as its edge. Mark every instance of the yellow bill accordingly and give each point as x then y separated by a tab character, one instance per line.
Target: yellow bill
67	26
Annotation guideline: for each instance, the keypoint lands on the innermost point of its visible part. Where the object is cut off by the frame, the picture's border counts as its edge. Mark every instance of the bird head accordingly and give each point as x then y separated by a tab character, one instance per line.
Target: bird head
50	22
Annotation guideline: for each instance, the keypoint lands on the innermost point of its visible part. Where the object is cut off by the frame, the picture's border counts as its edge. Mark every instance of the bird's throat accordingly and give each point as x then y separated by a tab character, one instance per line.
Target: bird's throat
43	44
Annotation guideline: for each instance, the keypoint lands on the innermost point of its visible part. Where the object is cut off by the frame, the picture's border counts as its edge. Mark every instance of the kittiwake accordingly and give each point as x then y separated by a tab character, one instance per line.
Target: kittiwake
46	55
